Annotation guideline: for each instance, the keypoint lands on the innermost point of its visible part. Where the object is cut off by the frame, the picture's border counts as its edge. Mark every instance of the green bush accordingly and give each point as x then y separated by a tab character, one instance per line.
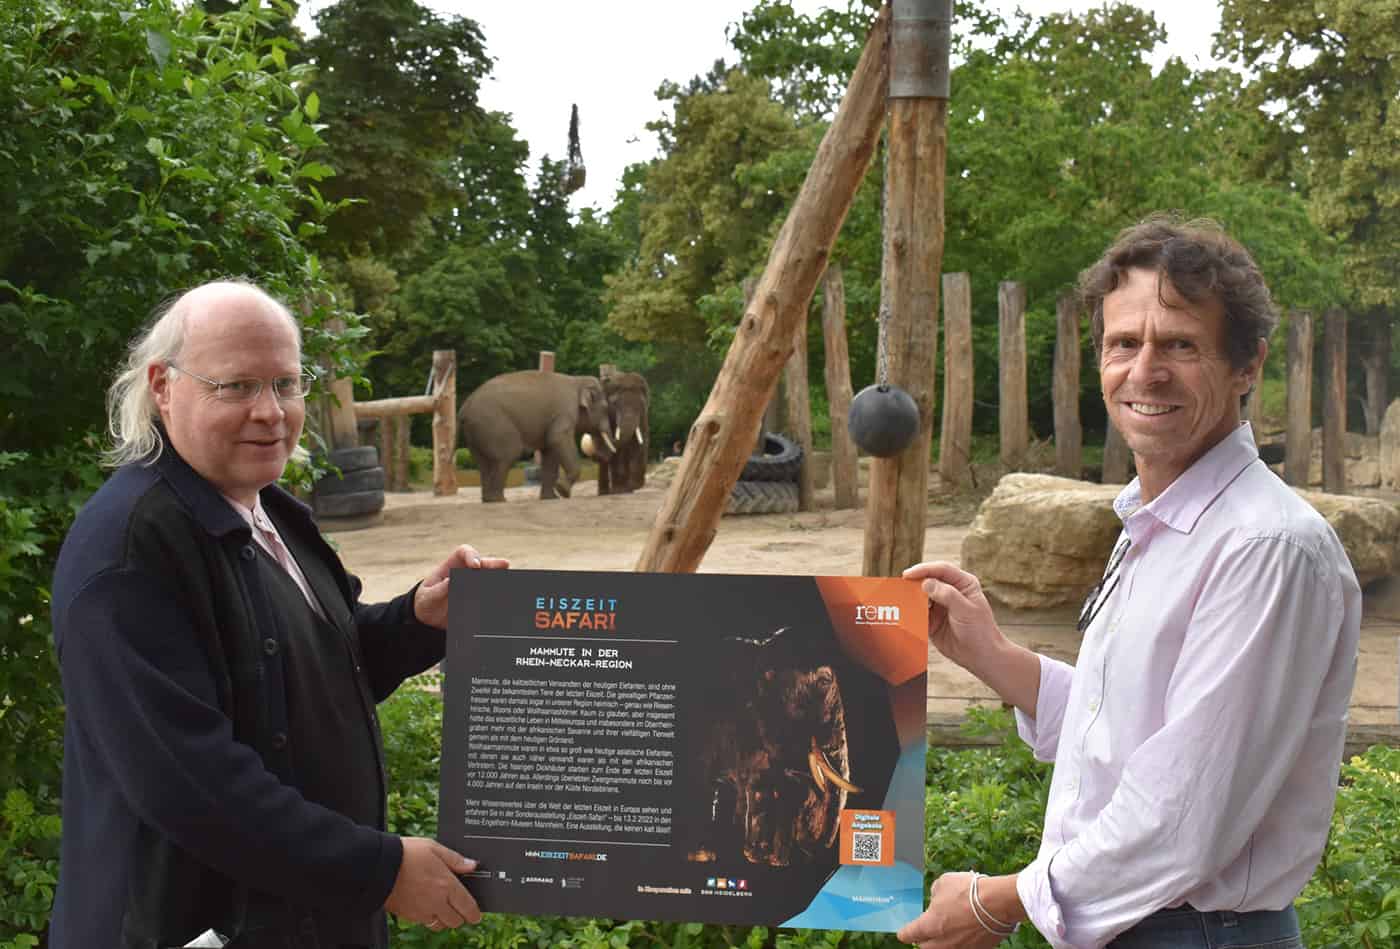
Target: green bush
1354	897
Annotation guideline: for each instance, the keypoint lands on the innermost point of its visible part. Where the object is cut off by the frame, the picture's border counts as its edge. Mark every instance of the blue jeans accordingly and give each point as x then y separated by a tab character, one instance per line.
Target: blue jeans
1187	928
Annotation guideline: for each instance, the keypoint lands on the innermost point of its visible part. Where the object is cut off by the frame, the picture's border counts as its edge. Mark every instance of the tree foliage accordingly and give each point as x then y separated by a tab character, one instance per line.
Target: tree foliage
144	147
1326	71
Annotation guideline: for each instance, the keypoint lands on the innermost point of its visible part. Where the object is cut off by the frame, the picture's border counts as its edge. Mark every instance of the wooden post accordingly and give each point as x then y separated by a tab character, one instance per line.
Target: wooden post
1117	459
1375	364
955	443
799	414
546	361
387	442
403	424
1069	433
773	412
844	466
445	423
1298	437
1334	402
723	435
897	508
1014	412
340	408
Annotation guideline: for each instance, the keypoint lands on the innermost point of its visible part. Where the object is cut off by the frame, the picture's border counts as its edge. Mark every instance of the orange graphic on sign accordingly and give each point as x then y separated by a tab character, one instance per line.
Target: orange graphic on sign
867	838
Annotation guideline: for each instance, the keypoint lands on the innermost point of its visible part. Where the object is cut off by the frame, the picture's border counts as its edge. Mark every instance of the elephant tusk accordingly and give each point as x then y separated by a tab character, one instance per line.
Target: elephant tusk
586	444
638	433
819	761
617	433
609	442
813	762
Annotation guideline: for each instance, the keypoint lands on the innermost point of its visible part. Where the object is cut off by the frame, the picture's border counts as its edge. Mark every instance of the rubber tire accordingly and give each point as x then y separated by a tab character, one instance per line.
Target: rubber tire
348	505
763	497
366	479
781	460
354	459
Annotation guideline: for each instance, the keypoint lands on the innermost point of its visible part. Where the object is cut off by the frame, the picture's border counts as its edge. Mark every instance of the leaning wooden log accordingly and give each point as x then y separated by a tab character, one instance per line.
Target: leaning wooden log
724	434
799	413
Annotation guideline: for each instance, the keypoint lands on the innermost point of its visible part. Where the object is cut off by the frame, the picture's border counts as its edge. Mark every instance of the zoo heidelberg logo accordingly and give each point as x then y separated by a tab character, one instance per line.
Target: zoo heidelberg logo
874	614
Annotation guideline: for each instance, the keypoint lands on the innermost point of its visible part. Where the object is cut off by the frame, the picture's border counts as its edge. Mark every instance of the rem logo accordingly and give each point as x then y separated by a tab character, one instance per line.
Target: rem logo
876	615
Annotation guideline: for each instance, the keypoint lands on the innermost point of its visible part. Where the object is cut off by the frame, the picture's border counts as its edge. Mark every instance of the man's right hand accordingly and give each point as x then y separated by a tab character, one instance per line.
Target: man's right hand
427	890
961	626
960	621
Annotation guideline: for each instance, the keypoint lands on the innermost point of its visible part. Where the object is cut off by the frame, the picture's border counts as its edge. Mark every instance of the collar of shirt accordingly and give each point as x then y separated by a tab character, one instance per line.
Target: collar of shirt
264	533
1181	505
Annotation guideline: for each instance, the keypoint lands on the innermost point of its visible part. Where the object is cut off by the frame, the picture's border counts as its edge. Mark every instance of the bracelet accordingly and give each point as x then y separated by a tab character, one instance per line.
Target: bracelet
988	922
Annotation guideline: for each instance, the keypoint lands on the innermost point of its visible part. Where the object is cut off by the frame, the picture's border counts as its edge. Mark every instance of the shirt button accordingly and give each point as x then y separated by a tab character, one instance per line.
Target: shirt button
248	553
279	740
270	646
1093	705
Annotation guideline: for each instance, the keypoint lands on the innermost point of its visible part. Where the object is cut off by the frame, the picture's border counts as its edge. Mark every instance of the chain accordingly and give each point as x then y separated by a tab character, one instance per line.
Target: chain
882	364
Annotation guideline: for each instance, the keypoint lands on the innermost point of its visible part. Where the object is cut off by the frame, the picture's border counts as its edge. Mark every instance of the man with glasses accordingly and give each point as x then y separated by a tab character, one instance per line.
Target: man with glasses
1198	738
223	779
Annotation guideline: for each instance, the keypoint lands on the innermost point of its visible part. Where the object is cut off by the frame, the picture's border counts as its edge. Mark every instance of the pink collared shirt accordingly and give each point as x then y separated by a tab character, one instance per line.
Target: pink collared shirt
266	536
1198	739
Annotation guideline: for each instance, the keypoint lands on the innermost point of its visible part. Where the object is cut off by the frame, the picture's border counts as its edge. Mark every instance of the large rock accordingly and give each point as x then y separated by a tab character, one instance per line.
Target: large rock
1041	541
1369	529
1389	461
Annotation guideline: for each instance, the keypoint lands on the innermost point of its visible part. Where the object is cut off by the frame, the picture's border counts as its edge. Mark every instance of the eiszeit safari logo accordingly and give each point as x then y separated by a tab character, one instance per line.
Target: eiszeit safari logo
876	615
576	612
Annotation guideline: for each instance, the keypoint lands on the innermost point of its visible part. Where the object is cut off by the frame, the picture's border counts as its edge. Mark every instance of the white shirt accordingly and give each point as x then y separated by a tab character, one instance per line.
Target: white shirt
1198	740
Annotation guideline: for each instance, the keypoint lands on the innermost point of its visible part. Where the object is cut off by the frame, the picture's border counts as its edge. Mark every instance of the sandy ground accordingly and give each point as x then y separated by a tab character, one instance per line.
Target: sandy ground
589	532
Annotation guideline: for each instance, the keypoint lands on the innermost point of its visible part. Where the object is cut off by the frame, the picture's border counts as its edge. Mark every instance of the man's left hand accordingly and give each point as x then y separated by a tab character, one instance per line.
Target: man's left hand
430	599
949	922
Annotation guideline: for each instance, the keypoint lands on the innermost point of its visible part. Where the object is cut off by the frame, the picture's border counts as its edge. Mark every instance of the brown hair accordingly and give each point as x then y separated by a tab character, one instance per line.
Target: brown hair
1201	262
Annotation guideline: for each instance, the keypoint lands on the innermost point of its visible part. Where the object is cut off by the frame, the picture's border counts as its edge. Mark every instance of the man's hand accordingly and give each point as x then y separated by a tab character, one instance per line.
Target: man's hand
430	599
949	922
960	621
427	890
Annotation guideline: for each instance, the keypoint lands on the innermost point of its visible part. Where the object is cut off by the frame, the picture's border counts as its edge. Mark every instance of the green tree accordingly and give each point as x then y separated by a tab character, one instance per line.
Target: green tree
144	147
707	207
398	88
1326	74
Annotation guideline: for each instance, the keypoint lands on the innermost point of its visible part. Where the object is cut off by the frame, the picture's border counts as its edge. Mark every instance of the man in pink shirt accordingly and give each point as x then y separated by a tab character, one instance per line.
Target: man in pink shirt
1198	739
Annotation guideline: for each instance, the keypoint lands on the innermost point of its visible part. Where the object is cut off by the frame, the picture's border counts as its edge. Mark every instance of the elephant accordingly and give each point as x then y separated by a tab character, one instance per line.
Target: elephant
628	398
511	414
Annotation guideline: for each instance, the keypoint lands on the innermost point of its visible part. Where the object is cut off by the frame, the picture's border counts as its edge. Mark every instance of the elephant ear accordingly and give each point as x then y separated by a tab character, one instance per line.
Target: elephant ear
589	393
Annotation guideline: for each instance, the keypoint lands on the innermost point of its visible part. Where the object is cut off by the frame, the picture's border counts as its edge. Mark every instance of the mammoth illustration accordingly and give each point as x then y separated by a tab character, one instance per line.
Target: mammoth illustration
776	771
534	411
628	397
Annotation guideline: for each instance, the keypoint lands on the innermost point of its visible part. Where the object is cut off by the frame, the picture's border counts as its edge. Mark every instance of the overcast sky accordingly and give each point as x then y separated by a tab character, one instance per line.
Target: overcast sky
609	56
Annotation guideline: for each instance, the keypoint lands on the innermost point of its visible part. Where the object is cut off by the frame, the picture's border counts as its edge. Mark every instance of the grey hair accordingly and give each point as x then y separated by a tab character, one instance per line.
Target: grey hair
132	415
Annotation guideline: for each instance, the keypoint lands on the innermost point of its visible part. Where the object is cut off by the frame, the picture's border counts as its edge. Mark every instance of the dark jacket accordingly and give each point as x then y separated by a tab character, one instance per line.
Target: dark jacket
182	800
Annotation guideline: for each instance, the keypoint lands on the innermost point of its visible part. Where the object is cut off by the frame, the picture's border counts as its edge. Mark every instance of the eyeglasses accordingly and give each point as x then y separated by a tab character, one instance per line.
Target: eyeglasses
286	388
1098	596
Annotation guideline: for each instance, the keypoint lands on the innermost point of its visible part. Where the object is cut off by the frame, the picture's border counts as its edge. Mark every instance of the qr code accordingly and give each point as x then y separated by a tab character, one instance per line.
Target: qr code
865	847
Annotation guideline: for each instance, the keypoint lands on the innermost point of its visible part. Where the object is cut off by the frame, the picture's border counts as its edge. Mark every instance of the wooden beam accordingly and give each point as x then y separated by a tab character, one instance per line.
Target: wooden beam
445	423
1334	402
340	407
799	413
955	442
385	408
1014	412
844	464
723	435
897	508
1069	433
1297	446
1117	459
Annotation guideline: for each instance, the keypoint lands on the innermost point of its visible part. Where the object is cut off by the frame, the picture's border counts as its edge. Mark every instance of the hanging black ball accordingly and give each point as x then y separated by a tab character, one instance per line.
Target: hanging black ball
883	420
